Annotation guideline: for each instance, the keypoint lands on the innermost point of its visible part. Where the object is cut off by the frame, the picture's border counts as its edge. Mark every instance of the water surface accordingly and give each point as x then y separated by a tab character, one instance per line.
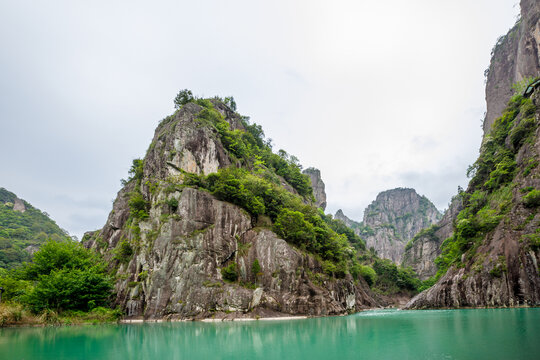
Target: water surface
385	334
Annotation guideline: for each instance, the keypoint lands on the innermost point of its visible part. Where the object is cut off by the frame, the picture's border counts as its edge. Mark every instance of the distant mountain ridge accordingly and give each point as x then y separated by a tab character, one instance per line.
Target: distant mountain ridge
392	220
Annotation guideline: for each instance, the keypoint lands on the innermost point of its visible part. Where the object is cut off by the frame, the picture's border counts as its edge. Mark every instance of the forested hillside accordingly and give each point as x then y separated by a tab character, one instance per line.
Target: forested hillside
22	229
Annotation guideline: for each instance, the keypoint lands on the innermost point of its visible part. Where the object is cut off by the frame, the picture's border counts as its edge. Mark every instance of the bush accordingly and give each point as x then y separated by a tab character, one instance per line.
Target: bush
256	268
173	204
393	279
123	252
368	274
488	219
230	272
138	206
66	276
292	226
532	199
520	132
69	289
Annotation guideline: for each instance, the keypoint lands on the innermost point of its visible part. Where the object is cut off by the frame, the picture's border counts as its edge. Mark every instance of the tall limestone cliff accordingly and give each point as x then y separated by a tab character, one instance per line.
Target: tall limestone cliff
422	250
492	258
318	186
394	218
515	57
186	245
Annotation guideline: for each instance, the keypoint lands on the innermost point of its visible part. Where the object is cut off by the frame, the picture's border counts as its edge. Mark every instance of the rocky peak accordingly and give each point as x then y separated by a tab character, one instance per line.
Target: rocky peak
394	218
515	57
341	216
318	186
179	251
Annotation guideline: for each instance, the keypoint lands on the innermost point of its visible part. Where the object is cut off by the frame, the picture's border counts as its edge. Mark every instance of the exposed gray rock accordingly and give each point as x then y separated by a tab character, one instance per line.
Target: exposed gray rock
394	218
515	57
425	247
18	205
318	186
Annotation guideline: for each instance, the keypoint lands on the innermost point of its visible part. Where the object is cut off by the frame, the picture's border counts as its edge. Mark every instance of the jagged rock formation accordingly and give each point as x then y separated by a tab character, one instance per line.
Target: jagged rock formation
394	218
171	264
318	186
494	254
355	225
516	56
421	252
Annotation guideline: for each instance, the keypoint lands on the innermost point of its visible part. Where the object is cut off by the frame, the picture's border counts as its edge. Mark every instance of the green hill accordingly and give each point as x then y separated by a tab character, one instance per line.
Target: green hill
22	229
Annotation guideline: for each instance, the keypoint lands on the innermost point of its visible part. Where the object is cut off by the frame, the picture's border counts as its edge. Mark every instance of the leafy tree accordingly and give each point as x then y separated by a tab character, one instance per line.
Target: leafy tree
183	97
292	226
229	100
256	269
138	206
230	272
368	274
67	276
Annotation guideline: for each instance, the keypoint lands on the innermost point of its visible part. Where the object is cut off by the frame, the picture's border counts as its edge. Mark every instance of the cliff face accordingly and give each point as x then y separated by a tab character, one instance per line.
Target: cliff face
318	186
493	256
394	218
515	57
172	262
421	252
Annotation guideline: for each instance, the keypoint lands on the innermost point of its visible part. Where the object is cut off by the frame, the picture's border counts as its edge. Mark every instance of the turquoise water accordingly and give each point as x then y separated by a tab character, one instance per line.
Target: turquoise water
385	334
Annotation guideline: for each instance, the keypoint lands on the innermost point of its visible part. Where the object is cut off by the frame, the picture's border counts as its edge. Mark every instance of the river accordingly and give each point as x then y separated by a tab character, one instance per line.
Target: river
379	334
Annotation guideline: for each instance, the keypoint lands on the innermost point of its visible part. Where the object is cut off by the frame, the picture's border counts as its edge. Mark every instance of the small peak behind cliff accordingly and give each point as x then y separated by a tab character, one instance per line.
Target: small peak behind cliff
318	186
394	218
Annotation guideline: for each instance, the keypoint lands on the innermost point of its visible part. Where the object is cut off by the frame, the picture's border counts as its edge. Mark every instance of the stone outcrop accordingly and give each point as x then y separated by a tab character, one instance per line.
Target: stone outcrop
394	218
423	249
170	265
515	57
318	186
18	205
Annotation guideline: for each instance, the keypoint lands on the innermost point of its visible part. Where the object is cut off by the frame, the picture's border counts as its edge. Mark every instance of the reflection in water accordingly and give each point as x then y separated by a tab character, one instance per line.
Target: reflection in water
446	334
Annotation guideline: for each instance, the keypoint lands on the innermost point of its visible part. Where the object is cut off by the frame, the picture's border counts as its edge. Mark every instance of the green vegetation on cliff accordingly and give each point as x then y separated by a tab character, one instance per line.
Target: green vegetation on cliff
255	185
19	229
489	196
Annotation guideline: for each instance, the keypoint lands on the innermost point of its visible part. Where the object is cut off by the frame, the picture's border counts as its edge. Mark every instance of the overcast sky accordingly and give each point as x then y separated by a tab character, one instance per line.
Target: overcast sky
376	94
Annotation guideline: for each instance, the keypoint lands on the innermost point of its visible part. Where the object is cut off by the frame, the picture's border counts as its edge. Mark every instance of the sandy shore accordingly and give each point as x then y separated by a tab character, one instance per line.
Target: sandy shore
140	321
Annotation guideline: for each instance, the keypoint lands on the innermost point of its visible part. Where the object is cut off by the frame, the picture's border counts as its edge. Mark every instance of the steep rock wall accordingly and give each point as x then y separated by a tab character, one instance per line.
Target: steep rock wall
318	186
516	56
503	270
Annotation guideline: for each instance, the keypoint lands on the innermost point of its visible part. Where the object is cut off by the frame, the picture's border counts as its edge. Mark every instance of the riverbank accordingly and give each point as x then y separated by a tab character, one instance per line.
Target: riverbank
14	315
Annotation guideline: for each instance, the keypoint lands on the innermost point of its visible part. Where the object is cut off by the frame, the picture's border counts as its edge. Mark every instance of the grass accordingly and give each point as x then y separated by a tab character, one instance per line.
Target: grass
14	314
